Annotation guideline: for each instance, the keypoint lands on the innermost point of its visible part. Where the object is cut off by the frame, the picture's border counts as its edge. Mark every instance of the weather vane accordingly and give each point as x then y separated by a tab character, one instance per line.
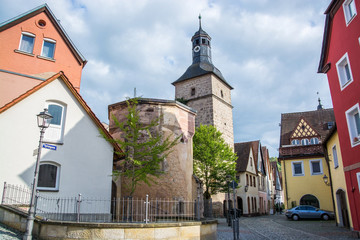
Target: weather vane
199	20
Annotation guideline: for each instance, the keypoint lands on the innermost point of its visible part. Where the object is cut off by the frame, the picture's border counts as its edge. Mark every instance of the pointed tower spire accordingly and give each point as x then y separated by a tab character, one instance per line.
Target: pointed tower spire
320	106
199	21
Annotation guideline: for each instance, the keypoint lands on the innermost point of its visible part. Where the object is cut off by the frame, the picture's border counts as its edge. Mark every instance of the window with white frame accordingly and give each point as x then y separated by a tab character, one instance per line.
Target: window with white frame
353	121
298	168
27	42
316	167
314	140
49	174
335	157
344	71
48	48
358	179
55	131
349	10
295	142
304	141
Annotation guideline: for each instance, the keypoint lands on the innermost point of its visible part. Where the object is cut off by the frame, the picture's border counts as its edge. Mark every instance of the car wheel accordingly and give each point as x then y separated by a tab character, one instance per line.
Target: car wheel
295	217
325	217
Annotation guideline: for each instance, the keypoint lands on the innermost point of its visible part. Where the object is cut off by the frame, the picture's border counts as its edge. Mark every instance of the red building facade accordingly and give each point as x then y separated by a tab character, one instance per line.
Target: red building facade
340	60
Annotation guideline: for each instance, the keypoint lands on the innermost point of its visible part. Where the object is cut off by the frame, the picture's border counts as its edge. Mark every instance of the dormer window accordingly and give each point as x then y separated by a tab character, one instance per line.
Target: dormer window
27	42
304	141
314	140
48	48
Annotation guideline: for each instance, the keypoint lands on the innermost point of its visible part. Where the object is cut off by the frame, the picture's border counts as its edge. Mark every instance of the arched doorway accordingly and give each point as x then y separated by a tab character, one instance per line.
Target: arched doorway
342	208
309	199
240	204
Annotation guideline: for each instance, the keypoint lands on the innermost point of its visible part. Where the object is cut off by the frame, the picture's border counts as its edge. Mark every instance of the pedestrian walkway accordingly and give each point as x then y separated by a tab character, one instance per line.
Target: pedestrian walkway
279	227
7	233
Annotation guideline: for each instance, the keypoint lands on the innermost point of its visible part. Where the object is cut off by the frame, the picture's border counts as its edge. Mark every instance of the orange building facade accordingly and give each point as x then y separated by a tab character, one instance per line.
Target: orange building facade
35	46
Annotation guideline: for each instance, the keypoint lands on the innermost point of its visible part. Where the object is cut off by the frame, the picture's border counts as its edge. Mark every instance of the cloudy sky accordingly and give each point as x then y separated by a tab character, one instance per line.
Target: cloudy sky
268	50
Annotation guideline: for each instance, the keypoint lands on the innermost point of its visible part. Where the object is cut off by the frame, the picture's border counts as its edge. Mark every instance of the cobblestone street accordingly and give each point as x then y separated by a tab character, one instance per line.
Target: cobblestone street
264	227
9	234
278	227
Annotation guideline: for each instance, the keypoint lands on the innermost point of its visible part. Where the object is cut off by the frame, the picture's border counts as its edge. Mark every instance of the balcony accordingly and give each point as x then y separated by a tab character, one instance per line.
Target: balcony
300	150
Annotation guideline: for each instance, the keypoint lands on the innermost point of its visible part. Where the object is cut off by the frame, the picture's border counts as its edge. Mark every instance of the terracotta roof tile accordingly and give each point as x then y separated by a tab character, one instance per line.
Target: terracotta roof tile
317	119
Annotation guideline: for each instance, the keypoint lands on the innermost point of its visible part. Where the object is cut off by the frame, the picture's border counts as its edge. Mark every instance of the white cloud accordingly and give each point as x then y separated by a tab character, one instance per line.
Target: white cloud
267	50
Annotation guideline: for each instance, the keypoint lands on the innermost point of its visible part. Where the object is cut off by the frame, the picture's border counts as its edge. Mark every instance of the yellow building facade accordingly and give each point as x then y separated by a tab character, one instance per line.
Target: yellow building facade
303	160
337	180
306	187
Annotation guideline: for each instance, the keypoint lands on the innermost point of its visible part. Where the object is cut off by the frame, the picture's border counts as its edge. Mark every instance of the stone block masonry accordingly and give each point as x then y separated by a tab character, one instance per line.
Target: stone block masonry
110	231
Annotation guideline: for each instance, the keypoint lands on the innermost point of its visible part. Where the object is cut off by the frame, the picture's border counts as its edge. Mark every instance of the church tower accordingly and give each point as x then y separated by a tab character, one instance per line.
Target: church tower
203	88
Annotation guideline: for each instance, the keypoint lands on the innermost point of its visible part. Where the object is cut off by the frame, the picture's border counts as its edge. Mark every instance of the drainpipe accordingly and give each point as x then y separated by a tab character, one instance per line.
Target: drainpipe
327	160
286	191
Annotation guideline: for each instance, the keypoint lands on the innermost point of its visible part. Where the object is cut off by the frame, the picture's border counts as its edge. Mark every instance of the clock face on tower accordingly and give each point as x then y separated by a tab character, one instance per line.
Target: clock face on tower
197	48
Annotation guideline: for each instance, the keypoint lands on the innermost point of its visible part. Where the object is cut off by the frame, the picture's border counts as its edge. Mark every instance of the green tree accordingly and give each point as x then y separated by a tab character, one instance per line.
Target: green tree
214	159
274	159
144	147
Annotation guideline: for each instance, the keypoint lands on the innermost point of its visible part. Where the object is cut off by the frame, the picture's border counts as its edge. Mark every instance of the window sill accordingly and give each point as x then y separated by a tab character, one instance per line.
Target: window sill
298	175
355	143
350	20
25	53
346	84
53	142
47	190
46	58
316	174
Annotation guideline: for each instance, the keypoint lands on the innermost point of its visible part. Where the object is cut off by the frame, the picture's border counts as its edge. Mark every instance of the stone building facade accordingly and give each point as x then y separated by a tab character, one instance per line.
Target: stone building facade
203	88
177	180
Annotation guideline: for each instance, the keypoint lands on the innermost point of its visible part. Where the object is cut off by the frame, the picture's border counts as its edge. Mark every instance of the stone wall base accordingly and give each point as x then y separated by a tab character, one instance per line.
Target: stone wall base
112	231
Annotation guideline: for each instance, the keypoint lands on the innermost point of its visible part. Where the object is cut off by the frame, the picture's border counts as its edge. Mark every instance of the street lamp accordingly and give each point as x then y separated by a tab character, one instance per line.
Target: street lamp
246	188
326	180
43	120
228	178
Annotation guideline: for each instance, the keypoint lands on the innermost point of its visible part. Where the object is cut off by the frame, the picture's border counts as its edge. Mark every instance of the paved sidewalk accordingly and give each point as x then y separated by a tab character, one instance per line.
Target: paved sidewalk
278	227
7	233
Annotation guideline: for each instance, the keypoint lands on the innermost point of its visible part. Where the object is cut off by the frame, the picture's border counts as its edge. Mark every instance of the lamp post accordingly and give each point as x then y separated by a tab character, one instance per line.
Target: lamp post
43	121
228	178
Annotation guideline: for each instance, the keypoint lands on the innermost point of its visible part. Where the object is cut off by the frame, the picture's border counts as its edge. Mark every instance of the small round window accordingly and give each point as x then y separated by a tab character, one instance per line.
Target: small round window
42	23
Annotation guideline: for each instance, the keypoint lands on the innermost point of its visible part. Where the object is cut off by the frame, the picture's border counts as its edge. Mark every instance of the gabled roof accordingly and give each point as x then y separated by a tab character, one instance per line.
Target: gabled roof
45	8
75	93
330	12
318	120
242	150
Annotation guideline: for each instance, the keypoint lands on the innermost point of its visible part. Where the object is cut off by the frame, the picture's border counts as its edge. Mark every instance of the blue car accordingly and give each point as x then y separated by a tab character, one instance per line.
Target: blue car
307	212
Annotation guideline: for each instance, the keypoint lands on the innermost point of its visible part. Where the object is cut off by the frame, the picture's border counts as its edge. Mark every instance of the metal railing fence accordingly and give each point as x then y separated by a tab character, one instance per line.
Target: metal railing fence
96	209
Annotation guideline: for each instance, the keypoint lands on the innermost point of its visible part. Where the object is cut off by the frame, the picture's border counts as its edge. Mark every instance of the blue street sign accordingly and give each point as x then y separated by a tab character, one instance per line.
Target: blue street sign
48	146
234	184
